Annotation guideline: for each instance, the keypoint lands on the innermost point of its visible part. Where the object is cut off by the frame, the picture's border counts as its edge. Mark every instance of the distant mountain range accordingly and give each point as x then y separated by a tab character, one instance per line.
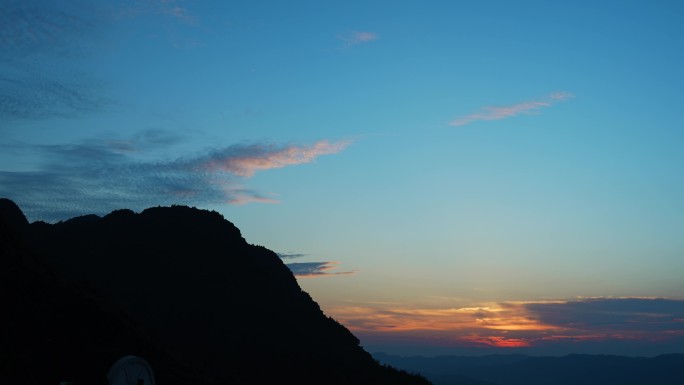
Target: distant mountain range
572	369
179	287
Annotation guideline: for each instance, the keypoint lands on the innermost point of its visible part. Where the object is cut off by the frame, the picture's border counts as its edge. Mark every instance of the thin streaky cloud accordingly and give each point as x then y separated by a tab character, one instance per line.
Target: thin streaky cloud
357	37
31	26
245	161
290	255
182	22
180	13
316	269
245	197
170	8
496	341
502	112
32	33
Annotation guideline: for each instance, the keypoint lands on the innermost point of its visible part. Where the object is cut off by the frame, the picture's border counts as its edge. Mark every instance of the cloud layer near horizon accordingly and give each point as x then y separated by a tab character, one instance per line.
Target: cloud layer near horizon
503	112
98	176
526	324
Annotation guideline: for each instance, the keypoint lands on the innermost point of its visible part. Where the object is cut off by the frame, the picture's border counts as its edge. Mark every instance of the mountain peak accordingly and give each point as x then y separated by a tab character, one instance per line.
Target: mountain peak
11	215
231	310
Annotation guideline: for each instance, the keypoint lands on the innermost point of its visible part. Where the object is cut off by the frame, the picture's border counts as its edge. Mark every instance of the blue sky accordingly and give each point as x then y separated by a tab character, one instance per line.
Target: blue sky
405	157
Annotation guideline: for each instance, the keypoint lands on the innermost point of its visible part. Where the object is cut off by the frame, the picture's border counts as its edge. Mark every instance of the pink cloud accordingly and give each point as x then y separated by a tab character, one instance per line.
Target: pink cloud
496	341
237	198
502	112
248	160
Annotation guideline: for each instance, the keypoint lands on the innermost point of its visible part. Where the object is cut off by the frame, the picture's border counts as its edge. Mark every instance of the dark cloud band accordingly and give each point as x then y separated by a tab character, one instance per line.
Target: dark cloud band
99	176
315	269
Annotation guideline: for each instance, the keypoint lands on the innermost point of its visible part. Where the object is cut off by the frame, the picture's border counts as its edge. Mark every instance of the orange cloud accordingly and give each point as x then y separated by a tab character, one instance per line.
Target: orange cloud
522	324
496	341
509	323
488	317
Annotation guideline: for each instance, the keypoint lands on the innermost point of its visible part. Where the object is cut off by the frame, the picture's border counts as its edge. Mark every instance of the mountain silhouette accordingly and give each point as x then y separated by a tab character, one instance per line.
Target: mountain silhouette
177	286
585	369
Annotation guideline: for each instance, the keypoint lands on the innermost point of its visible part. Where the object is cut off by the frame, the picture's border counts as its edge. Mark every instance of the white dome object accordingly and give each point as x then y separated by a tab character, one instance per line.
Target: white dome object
130	370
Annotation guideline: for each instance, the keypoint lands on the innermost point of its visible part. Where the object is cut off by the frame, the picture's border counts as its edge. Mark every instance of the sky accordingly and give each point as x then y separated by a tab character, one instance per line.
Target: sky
443	177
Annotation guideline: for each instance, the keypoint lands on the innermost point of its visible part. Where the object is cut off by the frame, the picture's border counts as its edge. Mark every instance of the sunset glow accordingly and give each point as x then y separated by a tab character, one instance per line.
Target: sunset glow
499	342
520	324
439	176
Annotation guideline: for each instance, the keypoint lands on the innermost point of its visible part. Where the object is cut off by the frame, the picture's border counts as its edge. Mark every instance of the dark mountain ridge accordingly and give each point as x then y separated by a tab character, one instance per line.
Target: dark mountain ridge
176	285
583	369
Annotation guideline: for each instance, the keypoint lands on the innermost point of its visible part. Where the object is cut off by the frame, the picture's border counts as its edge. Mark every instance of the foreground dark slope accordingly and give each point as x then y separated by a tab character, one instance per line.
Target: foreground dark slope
54	330
183	289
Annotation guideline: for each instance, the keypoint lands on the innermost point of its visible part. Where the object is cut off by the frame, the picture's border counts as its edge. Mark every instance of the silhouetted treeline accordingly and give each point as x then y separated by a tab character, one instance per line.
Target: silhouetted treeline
177	286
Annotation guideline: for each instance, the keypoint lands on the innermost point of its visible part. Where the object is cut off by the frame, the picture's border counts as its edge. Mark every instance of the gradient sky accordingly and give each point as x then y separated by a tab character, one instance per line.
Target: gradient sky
442	176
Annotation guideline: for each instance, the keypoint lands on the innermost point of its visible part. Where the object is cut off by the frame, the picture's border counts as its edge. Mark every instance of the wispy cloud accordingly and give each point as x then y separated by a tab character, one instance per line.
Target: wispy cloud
526	324
30	26
182	24
312	269
38	41
27	95
316	269
180	13
169	8
503	112
245	196
246	160
41	40
290	255
357	37
98	176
